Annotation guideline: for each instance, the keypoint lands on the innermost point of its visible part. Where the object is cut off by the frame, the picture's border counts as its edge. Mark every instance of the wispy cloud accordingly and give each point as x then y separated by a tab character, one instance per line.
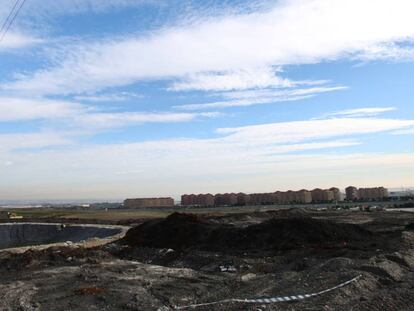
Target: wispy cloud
388	51
322	32
409	131
17	109
295	131
50	7
260	97
109	120
231	57
108	97
240	158
313	146
68	115
359	112
10	142
14	41
234	80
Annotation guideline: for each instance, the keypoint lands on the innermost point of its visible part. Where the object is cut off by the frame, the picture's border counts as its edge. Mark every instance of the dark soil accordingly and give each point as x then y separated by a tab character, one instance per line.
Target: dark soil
410	226
177	261
187	231
54	256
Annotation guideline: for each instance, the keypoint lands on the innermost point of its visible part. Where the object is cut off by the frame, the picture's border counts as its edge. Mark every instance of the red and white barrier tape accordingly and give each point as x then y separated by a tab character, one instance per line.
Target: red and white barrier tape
272	299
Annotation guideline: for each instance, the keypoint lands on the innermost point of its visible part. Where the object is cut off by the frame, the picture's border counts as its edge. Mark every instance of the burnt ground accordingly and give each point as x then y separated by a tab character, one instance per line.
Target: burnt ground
176	261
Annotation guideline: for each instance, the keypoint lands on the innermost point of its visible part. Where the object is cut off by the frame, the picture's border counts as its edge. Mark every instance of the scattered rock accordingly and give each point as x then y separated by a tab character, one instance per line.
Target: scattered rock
247	277
93	291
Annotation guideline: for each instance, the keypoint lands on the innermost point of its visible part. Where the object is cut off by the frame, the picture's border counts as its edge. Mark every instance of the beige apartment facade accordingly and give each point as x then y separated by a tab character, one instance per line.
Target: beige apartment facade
376	193
351	193
369	194
322	195
267	198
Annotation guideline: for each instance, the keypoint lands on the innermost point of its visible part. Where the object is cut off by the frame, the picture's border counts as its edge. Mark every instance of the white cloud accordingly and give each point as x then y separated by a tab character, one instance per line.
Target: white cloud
269	138
259	97
242	79
359	112
15	109
313	146
108	97
323	30
15	40
234	80
243	158
234	55
108	120
388	51
251	142
408	131
83	117
15	141
75	120
50	7
296	131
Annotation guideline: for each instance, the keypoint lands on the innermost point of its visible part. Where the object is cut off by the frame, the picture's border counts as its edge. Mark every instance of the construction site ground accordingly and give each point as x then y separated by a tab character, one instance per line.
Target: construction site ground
186	259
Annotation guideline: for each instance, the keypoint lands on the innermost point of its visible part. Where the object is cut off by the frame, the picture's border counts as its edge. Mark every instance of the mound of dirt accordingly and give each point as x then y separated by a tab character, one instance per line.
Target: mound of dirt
260	216
53	256
410	226
185	231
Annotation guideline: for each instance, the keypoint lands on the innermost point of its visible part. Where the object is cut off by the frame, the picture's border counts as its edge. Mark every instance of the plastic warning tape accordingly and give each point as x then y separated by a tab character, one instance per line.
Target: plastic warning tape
272	299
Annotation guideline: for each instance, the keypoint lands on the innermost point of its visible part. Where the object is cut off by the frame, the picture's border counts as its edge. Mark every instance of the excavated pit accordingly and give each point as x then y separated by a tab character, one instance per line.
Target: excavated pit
29	234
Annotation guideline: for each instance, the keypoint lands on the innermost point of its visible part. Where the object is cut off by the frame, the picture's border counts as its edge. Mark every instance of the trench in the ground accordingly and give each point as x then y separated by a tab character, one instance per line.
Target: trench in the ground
18	235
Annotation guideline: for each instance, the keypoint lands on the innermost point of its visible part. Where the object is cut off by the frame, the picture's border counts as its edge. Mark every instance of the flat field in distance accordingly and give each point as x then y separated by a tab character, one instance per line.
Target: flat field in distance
131	216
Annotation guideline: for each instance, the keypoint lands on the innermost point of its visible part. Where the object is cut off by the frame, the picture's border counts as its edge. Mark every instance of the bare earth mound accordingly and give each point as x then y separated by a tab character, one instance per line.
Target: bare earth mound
186	231
178	261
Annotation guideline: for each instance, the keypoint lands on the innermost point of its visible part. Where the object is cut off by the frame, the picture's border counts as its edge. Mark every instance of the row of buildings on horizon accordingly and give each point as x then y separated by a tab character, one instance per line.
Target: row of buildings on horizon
270	198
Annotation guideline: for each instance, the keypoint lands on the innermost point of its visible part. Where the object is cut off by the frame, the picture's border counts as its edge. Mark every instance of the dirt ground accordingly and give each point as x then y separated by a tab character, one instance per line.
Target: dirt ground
176	261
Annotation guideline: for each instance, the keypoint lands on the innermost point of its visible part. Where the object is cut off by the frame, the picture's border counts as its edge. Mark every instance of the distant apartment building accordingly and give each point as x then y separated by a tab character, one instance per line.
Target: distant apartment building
220	199
258	198
351	193
279	197
303	196
369	194
377	193
226	199
322	195
197	199
267	198
149	202
284	197
243	199
287	197
188	199
337	194
205	199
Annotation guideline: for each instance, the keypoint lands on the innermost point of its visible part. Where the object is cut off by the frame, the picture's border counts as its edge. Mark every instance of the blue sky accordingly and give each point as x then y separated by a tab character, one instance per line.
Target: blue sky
119	98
